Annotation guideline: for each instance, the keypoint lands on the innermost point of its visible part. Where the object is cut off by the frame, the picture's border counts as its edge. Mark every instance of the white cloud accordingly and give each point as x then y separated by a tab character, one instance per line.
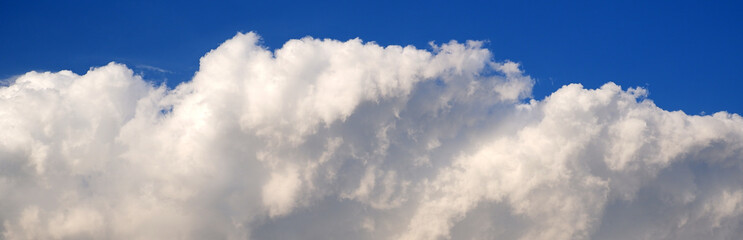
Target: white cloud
326	139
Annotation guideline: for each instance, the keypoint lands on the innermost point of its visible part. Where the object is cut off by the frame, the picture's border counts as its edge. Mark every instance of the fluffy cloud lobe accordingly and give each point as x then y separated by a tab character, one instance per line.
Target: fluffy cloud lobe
323	139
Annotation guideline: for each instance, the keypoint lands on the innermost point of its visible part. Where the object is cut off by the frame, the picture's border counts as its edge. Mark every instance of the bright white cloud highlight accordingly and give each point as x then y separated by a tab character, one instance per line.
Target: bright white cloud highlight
351	140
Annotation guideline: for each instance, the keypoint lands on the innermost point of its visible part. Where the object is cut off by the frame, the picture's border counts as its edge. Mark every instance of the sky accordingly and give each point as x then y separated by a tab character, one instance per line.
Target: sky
688	53
384	120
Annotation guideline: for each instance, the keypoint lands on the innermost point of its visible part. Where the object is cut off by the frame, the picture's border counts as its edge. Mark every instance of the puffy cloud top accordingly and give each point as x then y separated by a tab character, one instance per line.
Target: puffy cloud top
323	139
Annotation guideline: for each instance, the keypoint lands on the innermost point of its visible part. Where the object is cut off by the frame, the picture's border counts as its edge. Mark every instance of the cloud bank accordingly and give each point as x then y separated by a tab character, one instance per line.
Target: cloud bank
323	139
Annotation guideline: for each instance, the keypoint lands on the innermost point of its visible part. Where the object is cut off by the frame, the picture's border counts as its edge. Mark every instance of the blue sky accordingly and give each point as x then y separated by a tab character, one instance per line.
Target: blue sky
687	53
334	139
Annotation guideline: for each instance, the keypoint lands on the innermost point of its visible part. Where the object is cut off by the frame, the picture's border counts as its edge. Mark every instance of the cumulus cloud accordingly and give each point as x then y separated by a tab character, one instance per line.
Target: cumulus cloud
351	140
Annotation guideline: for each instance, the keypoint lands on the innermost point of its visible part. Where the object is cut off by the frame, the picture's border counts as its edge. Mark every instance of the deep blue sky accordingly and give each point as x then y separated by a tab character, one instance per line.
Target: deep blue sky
687	53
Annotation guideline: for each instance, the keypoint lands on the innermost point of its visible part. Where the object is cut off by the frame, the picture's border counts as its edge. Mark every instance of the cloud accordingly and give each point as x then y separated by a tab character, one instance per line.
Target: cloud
327	139
152	68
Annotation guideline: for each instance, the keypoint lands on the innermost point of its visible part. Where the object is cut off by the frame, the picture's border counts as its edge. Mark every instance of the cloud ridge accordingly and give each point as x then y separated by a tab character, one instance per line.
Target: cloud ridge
328	139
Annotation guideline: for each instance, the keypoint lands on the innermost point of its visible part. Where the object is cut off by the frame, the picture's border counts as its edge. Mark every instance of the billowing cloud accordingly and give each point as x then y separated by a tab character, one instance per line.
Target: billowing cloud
323	139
